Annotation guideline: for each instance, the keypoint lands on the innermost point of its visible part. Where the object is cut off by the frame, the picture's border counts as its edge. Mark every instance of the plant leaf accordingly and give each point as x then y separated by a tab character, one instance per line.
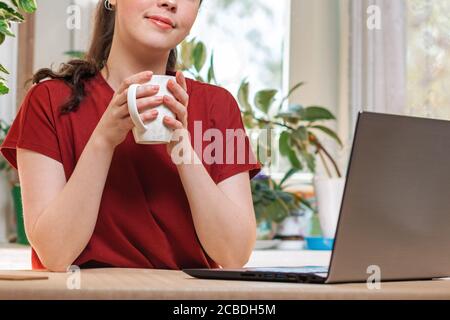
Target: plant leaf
288	174
292	114
264	99
5	28
316	113
211	73
28	6
248	120
9	13
243	97
329	132
306	203
291	91
301	133
186	54
295	162
310	160
199	78
3	88
283	143
75	54
295	88
199	55
3	69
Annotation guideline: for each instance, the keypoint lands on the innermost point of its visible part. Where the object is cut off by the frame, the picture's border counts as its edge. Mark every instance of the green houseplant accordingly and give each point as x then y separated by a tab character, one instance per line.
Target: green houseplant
299	125
273	203
298	139
12	12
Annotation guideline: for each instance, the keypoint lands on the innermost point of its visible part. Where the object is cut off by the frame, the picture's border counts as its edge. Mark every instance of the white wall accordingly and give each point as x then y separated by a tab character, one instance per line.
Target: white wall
315	51
83	35
318	56
52	36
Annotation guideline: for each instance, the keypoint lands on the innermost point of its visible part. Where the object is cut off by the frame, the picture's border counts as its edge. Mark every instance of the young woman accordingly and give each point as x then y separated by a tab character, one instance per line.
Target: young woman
92	197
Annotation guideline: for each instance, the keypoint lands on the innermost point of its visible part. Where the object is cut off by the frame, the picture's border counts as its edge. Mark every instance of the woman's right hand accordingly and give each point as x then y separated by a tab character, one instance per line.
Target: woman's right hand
116	122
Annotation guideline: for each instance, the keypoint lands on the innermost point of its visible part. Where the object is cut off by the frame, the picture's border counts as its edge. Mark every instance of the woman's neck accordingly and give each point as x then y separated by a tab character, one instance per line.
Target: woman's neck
125	61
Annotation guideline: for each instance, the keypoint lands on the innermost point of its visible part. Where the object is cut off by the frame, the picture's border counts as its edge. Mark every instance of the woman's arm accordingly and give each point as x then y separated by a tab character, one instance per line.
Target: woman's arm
223	214
60	217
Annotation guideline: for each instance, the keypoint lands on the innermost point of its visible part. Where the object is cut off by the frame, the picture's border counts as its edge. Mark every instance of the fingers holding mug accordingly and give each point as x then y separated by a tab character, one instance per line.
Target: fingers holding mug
143	105
172	123
138	78
142	91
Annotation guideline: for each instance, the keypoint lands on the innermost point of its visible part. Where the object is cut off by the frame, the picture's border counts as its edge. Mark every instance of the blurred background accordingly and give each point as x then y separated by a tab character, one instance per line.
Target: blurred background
339	56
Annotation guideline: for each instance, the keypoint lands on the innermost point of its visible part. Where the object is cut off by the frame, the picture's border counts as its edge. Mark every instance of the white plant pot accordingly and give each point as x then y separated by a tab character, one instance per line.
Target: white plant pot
329	196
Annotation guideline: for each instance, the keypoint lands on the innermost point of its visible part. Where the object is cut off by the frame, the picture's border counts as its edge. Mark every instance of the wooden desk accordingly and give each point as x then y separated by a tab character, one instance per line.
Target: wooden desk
167	284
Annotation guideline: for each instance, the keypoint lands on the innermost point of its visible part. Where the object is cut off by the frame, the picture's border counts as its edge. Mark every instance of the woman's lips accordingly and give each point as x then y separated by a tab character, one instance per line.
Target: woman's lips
161	24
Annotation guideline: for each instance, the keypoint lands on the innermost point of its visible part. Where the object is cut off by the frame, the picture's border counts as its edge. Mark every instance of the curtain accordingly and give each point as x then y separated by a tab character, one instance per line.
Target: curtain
378	56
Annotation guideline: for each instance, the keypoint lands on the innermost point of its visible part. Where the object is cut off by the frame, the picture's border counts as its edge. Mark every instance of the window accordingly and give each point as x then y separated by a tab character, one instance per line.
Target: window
429	58
248	38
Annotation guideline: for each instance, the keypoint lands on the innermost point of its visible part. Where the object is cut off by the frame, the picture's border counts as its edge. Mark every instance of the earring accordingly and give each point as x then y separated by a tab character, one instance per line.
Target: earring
108	6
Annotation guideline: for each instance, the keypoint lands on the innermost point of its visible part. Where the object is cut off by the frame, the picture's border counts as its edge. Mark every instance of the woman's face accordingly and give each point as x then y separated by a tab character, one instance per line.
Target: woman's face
139	21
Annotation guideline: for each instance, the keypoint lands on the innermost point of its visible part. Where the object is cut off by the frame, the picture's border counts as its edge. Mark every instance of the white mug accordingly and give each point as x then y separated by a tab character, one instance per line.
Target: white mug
156	131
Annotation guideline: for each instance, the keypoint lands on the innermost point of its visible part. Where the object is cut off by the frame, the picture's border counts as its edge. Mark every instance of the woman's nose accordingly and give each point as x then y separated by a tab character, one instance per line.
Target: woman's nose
169	4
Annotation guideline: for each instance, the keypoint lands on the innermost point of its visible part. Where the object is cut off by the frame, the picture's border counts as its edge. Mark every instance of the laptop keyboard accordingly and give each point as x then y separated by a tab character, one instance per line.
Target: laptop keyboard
306	269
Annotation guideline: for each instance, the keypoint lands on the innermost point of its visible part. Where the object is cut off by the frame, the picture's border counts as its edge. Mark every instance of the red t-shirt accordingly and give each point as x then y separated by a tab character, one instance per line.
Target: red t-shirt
144	220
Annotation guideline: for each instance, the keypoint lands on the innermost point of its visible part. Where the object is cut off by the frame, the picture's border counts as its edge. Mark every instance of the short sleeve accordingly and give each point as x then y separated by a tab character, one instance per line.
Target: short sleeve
33	128
235	152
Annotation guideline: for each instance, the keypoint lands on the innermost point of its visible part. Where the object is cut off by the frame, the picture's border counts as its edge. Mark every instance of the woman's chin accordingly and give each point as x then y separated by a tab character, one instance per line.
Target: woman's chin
156	43
158	48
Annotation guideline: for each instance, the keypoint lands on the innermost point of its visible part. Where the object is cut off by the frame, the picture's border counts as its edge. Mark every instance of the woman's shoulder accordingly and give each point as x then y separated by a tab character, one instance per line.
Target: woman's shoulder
51	84
52	89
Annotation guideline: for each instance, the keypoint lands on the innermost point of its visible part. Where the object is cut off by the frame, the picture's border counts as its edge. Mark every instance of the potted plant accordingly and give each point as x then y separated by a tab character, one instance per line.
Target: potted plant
273	203
12	12
298	140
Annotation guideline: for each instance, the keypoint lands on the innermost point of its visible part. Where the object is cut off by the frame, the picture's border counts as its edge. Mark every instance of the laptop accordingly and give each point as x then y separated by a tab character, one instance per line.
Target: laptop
394	220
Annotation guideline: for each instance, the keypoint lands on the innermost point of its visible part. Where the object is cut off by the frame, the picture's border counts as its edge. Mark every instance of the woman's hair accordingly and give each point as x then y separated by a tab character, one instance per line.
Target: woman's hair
75	72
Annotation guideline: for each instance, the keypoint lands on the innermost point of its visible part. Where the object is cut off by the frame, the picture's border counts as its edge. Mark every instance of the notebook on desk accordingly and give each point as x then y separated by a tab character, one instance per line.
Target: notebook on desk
394	218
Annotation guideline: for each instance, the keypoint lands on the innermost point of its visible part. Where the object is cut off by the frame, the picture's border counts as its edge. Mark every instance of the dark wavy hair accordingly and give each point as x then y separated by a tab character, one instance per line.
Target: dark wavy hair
75	72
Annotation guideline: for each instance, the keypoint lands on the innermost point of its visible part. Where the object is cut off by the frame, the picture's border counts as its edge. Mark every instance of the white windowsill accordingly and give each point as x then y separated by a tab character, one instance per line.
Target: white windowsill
18	257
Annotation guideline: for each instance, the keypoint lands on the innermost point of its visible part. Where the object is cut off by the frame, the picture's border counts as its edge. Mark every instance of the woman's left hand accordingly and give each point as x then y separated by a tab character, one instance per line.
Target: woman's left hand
178	105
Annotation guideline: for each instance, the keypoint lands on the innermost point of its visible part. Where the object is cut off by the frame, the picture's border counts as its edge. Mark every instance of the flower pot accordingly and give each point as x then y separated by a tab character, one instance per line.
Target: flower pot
265	230
329	196
21	235
292	231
